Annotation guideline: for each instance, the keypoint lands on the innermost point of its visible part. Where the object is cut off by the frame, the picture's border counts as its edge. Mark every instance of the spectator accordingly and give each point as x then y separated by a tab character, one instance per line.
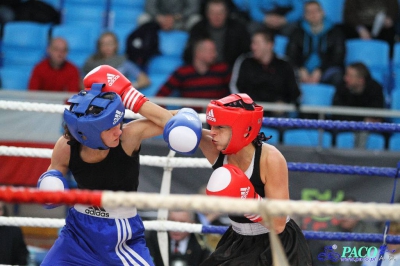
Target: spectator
13	250
202	78
107	54
263	76
185	248
56	73
371	19
230	35
316	48
281	16
359	89
172	14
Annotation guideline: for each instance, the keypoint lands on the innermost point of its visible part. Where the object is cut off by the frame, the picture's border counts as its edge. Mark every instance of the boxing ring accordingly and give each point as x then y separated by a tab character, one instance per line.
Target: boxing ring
165	201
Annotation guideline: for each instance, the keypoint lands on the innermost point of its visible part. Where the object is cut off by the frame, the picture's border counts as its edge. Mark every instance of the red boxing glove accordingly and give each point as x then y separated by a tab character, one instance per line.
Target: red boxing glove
230	181
118	83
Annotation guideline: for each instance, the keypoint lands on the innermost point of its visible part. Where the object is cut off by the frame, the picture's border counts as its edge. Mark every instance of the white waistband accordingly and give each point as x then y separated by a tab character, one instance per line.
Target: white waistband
251	229
111	213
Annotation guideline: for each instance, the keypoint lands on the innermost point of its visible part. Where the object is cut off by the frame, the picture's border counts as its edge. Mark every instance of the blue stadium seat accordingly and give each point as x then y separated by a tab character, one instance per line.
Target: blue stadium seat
306	137
333	10
91	13
396	65
121	17
162	64
345	140
395	103
394	142
138	4
271	132
24	43
375	141
280	45
122	34
373	53
81	41
317	94
172	42
15	78
157	80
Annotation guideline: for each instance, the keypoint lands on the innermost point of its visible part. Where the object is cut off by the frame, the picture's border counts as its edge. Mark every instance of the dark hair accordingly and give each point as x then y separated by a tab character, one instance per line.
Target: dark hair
361	69
268	34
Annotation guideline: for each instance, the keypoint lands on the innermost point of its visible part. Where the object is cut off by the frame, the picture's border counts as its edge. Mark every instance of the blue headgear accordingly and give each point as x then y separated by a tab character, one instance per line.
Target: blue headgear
85	126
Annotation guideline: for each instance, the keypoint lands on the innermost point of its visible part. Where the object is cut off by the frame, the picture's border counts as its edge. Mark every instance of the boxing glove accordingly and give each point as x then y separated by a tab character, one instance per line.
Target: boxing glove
230	181
52	180
116	82
183	131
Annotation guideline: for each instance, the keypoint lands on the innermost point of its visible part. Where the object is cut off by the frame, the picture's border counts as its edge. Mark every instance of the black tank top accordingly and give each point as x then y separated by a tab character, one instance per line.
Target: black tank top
117	172
255	179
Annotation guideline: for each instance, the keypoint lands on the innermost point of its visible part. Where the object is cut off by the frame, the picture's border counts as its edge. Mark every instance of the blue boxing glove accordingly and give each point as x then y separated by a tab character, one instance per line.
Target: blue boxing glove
183	131
52	180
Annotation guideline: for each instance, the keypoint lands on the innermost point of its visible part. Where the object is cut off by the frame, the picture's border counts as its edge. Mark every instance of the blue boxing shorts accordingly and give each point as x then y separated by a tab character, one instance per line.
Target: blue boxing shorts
97	236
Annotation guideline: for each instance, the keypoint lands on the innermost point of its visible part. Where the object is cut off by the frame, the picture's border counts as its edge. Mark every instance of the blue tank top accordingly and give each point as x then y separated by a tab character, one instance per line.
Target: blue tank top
117	172
255	179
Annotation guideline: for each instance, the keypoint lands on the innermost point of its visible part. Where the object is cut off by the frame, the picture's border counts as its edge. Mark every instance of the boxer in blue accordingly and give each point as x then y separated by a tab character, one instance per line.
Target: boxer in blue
102	153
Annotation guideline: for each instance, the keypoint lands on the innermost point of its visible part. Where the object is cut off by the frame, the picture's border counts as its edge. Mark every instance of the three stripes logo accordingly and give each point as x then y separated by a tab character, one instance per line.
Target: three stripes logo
97	211
111	78
244	191
117	117
210	116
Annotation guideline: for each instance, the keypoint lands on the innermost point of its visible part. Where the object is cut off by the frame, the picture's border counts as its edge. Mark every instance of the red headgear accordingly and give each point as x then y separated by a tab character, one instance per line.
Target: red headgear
239	112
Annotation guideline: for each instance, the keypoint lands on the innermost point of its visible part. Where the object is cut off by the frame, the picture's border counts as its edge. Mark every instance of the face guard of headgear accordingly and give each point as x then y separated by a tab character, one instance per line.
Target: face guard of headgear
86	126
239	112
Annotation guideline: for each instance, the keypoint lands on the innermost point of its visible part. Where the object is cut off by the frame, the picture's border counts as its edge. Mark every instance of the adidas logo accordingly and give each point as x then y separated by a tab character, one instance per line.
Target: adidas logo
210	116
111	78
244	191
117	117
97	211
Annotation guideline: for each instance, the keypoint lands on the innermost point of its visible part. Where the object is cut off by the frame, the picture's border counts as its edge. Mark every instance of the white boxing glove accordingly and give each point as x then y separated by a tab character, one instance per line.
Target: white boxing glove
52	180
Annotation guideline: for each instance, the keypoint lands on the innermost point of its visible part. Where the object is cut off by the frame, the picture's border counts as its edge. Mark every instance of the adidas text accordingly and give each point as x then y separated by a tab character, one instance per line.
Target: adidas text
111	79
117	117
96	211
244	191
210	116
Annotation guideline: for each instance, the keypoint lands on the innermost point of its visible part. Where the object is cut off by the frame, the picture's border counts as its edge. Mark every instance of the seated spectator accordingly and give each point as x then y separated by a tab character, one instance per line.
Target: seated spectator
230	35
316	48
172	14
359	89
281	16
107	54
202	78
263	76
371	19
184	248
13	250
56	73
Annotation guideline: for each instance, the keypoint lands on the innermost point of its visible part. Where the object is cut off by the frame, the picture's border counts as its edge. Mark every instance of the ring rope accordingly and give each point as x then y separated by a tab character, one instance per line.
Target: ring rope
267	121
203	229
161	161
110	199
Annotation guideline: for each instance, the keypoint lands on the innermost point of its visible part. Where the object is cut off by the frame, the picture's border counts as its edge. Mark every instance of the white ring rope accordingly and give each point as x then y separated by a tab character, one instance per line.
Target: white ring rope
160	161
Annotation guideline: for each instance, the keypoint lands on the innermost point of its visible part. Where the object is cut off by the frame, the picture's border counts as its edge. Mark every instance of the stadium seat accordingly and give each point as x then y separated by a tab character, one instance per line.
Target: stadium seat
173	42
317	94
306	137
333	10
373	53
24	43
375	141
81	41
394	142
91	13
345	140
157	80
162	64
136	4
122	34
271	132
15	78
280	45
123	17
395	104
